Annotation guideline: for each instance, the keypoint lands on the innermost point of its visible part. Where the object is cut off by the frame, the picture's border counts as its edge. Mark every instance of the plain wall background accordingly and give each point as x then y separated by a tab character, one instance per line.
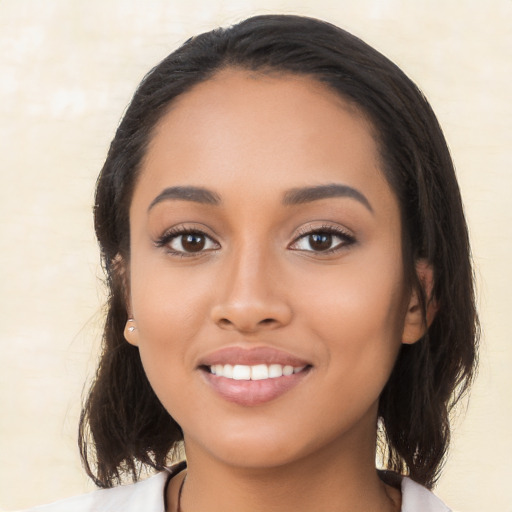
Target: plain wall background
68	69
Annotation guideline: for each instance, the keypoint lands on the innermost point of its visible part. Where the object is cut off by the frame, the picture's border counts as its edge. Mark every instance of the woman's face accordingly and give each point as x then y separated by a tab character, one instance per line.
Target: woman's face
266	241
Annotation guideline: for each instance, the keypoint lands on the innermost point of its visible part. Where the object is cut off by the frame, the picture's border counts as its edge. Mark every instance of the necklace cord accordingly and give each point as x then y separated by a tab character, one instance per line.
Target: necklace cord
178	504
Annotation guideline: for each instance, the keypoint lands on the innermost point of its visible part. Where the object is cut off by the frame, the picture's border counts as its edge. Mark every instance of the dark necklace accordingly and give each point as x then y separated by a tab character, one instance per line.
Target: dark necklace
178	505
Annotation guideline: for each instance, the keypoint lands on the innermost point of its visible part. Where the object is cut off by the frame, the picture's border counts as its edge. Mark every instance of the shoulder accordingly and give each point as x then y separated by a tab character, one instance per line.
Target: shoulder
416	498
147	495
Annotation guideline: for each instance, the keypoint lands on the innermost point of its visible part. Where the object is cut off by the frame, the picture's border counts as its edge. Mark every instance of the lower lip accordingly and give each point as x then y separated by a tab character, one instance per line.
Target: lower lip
253	392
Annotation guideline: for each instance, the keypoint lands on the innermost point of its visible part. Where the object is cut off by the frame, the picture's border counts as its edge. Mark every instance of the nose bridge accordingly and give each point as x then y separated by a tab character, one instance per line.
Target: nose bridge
249	269
249	298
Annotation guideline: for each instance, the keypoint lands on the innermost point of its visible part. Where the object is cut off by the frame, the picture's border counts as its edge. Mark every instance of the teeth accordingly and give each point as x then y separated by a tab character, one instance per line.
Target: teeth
227	371
241	372
288	370
259	372
256	372
275	370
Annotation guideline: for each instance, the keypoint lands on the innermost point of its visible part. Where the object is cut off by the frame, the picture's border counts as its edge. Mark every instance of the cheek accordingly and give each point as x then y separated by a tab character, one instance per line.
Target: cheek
359	296
166	301
165	329
359	314
170	309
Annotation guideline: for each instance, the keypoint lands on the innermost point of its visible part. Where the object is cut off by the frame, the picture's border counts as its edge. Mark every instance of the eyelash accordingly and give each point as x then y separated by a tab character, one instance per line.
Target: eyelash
172	234
180	231
346	238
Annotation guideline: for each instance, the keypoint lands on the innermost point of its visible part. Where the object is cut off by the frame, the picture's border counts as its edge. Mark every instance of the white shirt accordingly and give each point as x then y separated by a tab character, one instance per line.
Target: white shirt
148	496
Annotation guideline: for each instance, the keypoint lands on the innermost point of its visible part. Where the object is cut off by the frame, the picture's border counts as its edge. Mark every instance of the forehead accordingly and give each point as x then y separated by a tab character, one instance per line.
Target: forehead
262	131
238	96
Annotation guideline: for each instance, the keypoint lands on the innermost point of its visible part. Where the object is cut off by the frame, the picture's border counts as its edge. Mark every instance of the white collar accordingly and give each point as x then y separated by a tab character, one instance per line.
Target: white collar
148	495
416	498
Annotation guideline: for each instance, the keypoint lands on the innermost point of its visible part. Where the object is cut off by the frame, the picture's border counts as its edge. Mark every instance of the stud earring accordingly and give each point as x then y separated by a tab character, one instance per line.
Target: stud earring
131	333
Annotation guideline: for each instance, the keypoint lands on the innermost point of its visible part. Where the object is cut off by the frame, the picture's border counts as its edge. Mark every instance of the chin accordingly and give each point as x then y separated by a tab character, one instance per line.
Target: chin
252	449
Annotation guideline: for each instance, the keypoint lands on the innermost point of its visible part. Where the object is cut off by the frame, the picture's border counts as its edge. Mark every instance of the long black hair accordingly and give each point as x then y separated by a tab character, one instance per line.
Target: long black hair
123	425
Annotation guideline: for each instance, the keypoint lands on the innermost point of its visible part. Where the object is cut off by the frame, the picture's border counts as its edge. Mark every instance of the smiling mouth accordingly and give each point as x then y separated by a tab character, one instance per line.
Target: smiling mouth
253	372
252	385
254	376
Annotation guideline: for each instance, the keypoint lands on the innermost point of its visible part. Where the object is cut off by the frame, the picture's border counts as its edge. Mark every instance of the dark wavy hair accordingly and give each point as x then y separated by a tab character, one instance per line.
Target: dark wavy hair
123	426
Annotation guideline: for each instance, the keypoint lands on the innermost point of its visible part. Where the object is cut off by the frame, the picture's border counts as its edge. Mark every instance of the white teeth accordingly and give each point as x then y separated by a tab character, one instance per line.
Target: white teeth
227	371
259	372
241	372
256	372
288	370
275	370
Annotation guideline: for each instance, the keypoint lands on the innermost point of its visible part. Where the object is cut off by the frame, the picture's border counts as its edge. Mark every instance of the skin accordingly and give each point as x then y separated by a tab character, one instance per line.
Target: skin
258	281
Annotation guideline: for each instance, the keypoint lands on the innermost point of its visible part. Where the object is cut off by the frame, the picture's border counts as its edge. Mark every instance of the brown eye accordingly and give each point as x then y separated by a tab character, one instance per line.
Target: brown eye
328	240
189	242
193	242
320	241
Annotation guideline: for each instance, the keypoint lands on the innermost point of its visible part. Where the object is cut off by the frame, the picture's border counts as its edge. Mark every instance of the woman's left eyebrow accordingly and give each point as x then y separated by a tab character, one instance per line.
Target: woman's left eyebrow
186	193
318	192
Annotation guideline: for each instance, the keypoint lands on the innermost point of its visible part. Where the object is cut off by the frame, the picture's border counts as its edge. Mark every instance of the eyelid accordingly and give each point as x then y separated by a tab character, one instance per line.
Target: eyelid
174	232
344	234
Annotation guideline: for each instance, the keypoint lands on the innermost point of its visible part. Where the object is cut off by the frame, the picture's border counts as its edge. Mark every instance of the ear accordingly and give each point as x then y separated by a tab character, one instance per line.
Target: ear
131	333
416	324
120	270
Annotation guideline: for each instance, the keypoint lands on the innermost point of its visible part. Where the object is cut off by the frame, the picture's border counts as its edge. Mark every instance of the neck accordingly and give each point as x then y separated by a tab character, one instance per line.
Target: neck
341	483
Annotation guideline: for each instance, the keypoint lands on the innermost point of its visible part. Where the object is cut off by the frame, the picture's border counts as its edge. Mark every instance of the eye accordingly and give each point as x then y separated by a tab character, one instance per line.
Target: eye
187	242
324	240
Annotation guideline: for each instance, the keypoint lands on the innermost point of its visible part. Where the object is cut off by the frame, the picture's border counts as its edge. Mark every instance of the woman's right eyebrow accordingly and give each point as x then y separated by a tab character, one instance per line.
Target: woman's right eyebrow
186	193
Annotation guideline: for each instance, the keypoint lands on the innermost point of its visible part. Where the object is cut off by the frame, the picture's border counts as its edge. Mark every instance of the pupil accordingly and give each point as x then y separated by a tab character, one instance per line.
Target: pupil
193	242
320	242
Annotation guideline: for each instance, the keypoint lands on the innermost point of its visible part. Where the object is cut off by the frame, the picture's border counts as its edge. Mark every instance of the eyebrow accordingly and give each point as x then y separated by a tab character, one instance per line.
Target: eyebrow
308	194
294	196
188	193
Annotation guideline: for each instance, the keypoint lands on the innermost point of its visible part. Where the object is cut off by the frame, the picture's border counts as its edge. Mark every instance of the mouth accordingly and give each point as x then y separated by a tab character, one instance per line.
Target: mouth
254	372
253	377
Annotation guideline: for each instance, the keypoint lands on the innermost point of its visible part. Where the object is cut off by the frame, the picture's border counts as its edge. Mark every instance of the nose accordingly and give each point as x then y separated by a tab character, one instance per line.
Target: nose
250	296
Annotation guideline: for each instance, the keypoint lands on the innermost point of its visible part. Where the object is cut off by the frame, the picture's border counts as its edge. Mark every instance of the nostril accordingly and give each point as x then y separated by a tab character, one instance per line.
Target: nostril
244	325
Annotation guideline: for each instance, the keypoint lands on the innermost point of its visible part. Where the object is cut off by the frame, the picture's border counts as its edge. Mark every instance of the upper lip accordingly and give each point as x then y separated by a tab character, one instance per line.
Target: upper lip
252	356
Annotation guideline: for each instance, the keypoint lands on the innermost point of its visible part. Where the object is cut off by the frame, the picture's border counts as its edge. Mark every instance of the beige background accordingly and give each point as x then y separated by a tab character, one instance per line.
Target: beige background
67	70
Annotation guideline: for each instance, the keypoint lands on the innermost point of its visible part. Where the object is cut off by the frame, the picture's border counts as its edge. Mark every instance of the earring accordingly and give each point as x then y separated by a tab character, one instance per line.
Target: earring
131	333
132	327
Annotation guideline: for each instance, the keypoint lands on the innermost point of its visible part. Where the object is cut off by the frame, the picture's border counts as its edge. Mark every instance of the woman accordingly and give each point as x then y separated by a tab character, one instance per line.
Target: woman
290	282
